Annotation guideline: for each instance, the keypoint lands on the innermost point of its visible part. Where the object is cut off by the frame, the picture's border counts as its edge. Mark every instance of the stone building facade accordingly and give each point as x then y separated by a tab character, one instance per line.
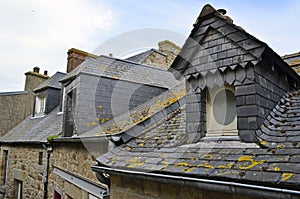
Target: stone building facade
16	106
17	168
126	187
70	167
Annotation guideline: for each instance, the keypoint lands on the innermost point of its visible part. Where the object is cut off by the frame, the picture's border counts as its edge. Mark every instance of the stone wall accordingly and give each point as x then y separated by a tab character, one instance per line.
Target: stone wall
76	159
170	49
16	106
157	60
126	187
23	165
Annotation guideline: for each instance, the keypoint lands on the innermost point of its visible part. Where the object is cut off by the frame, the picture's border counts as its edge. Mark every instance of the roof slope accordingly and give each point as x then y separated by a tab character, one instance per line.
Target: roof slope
282	127
124	70
161	147
216	44
162	150
140	58
35	129
52	82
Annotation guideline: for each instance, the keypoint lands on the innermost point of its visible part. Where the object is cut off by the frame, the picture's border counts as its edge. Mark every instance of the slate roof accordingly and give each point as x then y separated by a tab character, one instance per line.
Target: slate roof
52	82
163	149
216	45
134	121
35	129
282	127
293	60
124	70
139	58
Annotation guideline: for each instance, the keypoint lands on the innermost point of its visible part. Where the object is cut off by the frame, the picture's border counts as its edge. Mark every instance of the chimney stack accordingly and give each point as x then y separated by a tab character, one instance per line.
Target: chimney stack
170	49
76	57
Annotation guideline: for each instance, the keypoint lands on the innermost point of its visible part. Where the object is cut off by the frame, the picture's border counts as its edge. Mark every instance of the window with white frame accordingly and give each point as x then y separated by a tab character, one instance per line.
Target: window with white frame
40	105
221	111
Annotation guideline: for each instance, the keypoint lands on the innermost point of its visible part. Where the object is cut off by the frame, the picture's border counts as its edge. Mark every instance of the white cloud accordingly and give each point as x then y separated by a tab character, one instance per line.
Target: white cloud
35	32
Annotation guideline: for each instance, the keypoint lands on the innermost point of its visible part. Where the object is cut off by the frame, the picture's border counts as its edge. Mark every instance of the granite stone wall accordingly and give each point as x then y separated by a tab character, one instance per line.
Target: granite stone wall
23	165
126	187
16	106
76	159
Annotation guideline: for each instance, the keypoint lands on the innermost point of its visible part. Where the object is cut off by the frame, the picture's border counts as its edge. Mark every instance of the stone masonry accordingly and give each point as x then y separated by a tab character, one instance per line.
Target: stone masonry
16	106
126	187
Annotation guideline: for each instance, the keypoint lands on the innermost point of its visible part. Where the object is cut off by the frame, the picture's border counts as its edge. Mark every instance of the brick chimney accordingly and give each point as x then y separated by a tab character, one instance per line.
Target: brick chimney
76	57
170	49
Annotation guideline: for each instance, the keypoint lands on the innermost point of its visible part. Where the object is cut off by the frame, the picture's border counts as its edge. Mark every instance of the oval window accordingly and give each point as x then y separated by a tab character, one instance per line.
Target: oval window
224	107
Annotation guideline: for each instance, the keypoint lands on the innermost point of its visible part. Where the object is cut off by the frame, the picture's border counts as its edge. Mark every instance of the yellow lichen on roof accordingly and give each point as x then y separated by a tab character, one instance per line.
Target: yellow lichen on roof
140	114
250	162
134	162
286	176
294	62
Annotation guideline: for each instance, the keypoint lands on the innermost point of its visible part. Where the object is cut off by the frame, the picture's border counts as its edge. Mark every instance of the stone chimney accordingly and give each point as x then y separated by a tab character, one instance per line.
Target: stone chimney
34	79
170	49
76	57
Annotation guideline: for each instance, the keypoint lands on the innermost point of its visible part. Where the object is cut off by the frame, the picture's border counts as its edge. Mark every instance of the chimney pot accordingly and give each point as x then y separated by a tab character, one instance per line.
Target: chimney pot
46	72
110	54
36	69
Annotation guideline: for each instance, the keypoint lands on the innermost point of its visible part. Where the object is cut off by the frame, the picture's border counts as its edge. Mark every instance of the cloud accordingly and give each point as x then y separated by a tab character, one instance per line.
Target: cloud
35	32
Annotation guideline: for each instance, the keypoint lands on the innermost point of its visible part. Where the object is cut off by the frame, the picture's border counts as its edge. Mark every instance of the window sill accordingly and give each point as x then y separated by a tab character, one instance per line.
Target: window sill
60	113
38	116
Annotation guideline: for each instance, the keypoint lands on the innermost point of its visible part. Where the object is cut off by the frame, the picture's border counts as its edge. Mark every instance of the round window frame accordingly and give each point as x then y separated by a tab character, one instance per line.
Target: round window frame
224	121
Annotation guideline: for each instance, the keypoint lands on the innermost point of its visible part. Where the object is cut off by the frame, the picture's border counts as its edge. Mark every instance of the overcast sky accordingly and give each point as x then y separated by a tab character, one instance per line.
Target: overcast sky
39	33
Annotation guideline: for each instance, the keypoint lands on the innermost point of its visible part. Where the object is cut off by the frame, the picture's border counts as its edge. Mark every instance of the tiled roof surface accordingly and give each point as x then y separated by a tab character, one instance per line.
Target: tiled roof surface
124	70
139	58
52	82
282	127
162	149
292	59
36	129
139	114
216	45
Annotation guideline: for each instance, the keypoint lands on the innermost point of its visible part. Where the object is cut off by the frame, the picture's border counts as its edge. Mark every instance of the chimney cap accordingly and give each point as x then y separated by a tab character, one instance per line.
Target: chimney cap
36	69
222	11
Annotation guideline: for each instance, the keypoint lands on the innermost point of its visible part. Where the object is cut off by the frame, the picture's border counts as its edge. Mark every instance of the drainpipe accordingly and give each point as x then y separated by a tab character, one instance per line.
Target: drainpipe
48	149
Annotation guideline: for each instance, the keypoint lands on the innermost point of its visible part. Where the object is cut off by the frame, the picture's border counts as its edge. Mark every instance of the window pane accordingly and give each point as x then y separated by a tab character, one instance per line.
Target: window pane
224	107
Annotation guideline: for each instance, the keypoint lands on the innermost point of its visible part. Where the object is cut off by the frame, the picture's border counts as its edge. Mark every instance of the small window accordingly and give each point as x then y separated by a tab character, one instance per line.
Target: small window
5	165
40	105
221	111
40	158
18	189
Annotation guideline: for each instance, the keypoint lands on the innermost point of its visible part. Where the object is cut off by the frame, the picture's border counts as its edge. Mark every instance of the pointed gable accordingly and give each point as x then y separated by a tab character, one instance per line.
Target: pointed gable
220	57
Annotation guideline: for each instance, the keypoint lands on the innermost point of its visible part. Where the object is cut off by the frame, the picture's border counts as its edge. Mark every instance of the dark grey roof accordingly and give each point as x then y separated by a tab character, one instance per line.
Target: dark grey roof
137	119
139	58
35	129
163	146
216	45
282	127
163	149
124	70
52	82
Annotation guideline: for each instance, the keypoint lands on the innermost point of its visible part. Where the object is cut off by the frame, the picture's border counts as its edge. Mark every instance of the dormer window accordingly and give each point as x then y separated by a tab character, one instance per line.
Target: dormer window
40	105
221	111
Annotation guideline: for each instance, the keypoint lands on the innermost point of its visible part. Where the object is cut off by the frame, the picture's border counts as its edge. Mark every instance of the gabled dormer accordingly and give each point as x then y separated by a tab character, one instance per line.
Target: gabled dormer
48	95
233	79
